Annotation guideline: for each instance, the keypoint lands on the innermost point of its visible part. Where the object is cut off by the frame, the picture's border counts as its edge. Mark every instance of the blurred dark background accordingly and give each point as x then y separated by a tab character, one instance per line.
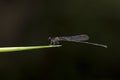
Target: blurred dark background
31	22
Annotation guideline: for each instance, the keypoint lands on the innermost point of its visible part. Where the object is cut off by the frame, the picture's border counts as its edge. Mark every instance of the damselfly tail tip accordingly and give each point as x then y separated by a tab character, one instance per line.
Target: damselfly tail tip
105	46
96	44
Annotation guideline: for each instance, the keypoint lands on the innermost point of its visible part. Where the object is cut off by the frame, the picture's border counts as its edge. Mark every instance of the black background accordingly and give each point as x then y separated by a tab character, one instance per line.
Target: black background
31	22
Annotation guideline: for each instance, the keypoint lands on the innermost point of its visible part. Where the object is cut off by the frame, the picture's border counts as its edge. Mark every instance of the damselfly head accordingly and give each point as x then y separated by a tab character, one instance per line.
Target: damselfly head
49	38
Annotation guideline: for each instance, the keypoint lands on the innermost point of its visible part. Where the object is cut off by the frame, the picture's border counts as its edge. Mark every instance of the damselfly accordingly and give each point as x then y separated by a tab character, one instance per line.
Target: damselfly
77	38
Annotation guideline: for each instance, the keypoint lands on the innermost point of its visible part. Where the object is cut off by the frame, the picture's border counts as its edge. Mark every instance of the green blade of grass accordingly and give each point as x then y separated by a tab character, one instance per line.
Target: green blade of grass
12	49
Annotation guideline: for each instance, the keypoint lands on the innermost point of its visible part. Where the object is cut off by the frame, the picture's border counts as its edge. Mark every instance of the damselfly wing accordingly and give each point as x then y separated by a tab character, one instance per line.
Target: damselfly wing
76	38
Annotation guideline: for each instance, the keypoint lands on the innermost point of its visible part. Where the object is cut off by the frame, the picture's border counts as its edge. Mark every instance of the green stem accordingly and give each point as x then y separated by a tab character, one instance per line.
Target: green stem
12	49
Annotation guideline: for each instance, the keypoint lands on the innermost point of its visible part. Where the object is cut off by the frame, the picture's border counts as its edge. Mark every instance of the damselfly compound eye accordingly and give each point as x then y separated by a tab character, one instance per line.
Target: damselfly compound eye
49	38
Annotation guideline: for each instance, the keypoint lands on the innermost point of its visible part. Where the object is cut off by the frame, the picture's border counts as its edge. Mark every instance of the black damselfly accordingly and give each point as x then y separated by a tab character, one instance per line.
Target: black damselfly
77	38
